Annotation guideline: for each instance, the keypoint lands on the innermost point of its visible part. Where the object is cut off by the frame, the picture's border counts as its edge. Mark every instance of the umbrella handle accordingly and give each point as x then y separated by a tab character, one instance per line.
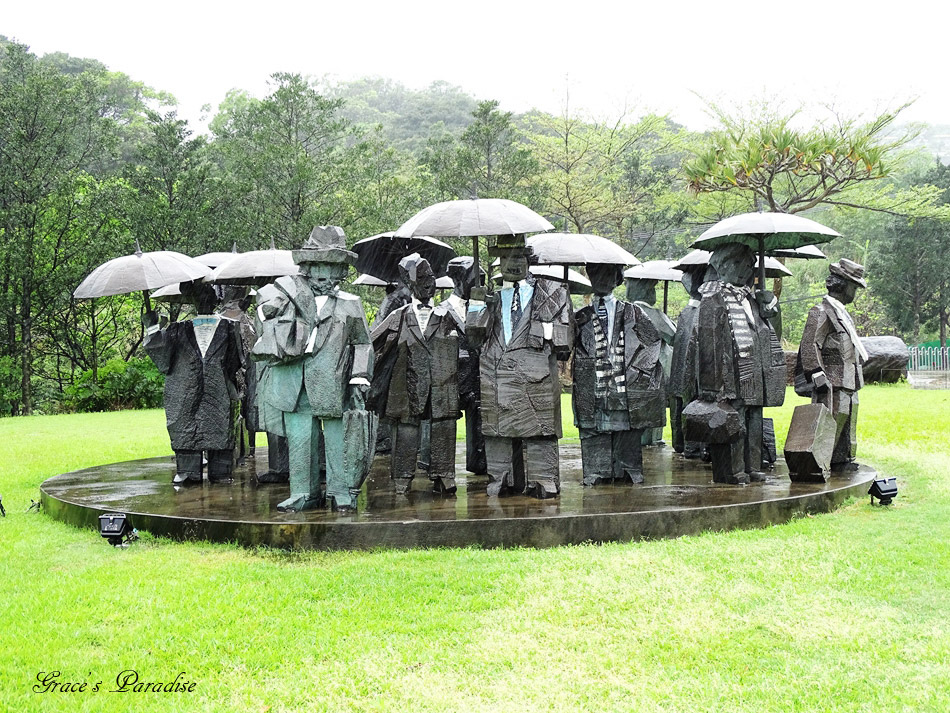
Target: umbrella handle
761	263
148	301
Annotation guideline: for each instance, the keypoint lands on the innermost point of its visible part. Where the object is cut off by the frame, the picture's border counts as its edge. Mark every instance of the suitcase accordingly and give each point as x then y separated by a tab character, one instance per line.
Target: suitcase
810	442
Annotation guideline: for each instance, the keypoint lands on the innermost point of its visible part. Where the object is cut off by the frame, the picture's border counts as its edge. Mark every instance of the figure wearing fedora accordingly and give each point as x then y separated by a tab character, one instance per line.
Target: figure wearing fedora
316	339
521	331
830	357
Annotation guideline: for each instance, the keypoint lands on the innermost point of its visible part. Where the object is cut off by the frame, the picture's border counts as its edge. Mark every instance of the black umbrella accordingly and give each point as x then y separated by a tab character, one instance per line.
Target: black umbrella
379	255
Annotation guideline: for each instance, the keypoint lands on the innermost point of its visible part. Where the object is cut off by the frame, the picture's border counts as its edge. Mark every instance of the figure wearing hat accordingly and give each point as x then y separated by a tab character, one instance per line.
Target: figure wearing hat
619	387
417	350
683	386
521	331
316	339
830	357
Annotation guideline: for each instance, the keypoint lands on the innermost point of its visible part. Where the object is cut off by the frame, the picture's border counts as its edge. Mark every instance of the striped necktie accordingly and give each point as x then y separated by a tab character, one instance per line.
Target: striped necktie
515	307
602	314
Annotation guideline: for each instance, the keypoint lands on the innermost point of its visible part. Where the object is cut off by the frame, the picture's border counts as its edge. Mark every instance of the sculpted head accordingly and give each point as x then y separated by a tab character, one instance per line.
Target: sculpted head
734	263
416	272
604	278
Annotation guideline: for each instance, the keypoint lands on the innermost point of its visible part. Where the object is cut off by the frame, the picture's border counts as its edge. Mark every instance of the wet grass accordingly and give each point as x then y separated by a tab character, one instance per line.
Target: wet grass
842	612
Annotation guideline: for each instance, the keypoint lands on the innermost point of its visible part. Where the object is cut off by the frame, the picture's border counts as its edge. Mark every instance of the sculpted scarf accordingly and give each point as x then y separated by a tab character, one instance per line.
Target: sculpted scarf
848	324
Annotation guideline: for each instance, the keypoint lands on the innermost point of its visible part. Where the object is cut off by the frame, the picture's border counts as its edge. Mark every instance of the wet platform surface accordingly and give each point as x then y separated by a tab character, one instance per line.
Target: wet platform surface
677	497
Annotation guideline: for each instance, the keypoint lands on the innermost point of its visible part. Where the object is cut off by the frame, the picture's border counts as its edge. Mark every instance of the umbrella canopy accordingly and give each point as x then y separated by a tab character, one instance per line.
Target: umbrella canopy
578	249
577	284
169	293
441	283
215	259
773	268
805	252
257	267
140	271
768	231
472	218
654	270
379	255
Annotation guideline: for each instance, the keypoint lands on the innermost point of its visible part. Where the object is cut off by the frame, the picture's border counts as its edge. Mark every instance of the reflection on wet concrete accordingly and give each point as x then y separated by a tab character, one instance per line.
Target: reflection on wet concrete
671	483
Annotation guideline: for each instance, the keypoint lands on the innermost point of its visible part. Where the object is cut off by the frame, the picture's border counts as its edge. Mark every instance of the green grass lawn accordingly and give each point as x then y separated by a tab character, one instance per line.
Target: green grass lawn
848	611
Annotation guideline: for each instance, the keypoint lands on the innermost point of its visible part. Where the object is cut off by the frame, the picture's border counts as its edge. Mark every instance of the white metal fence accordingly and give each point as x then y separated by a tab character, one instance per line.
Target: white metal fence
929	359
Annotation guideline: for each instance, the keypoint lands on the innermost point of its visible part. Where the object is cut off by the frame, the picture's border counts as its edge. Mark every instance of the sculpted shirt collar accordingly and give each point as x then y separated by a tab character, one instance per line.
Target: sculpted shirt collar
610	302
423	312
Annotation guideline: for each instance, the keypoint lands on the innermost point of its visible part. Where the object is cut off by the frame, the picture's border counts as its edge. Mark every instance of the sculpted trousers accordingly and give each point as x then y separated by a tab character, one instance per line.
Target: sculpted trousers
611	455
406	443
845	411
523	465
305	435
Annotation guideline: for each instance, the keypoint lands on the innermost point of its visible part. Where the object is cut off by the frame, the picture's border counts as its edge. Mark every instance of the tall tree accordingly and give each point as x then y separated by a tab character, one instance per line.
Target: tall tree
52	127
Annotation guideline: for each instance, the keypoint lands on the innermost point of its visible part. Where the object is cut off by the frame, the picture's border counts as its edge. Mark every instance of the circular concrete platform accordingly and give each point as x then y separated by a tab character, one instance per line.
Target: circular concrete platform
678	497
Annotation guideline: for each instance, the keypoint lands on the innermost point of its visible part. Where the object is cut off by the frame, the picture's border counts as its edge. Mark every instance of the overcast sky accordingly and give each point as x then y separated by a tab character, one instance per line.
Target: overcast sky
653	56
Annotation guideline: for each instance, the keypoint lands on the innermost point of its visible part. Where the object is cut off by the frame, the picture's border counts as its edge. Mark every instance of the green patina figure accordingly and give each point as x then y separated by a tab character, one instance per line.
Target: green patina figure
317	342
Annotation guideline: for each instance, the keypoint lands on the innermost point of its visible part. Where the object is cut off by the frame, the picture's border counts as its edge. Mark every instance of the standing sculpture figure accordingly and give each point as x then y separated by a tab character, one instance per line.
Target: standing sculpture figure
417	352
201	359
316	339
741	368
233	302
830	356
267	417
465	277
521	331
619	388
642	293
683	384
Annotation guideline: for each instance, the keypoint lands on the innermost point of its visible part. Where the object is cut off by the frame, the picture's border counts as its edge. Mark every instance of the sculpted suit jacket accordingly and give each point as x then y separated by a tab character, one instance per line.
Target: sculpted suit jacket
736	358
199	390
826	346
420	379
645	383
520	389
318	353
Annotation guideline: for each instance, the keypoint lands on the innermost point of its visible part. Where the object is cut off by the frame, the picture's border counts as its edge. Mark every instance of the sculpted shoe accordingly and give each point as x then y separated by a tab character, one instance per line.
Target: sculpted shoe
632	476
187	479
403	485
542	489
296	503
591	480
445	485
496	488
272	476
757	476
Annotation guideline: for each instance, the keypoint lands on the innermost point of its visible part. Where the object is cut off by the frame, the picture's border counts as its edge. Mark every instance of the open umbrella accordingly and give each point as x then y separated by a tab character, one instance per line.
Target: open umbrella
216	259
578	249
140	271
474	218
379	255
773	268
805	252
441	283
257	267
577	284
765	232
660	270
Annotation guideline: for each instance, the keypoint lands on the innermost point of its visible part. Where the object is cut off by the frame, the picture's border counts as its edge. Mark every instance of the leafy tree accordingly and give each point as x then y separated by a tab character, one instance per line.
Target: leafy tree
52	126
286	159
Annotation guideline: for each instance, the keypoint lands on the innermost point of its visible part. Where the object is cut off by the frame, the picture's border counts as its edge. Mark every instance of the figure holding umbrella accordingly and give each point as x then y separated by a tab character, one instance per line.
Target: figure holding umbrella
741	366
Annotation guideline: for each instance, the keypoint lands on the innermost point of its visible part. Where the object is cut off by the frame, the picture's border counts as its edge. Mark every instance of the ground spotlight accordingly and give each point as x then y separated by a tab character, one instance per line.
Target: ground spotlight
884	489
117	528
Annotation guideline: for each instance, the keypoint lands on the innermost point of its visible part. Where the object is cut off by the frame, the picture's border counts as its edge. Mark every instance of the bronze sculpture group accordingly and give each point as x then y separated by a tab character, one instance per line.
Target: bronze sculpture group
323	379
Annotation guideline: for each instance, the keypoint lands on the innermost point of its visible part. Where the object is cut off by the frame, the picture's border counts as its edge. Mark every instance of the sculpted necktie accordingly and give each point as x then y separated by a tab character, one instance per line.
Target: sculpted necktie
602	314
515	307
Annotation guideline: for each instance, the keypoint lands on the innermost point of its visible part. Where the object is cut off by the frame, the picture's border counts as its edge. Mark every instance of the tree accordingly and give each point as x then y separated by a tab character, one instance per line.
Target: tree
286	158
52	126
600	177
787	170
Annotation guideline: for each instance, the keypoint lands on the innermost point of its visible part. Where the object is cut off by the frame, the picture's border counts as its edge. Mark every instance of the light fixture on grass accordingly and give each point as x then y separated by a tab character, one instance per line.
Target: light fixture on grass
884	489
117	528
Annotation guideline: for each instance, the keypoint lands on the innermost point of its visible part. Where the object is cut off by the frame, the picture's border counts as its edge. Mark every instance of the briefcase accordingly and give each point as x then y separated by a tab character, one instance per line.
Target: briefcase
810	442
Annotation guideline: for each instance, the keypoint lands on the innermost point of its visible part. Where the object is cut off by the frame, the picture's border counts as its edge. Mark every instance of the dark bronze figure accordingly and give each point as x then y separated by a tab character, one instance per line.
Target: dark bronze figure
201	359
642	293
417	353
830	358
619	387
683	383
317	343
521	331
465	276
741	368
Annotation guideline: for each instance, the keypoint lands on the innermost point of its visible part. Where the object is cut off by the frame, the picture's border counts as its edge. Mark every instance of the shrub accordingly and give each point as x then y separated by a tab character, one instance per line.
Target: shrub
122	385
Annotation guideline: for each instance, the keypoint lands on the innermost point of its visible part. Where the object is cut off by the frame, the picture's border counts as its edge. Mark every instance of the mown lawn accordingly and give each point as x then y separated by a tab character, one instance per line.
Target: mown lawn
842	612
